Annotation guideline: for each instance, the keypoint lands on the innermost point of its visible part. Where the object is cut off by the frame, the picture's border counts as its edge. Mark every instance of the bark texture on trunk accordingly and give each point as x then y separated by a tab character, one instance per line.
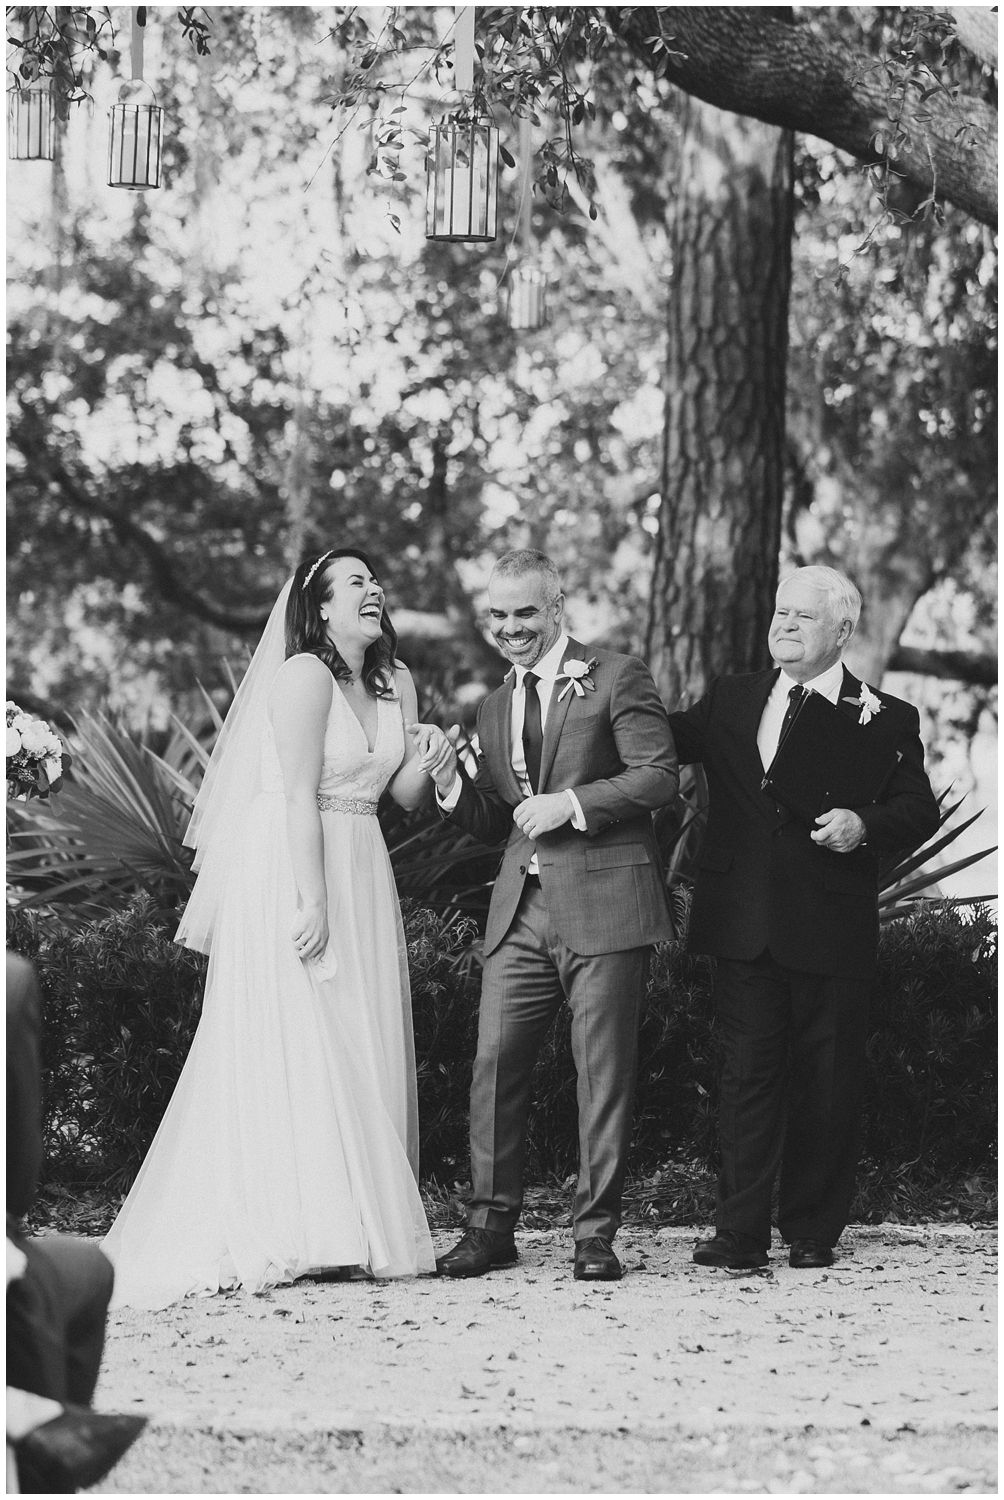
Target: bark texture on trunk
723	469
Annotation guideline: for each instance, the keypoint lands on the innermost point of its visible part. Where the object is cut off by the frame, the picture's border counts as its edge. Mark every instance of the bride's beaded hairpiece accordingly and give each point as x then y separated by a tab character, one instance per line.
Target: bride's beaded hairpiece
314	569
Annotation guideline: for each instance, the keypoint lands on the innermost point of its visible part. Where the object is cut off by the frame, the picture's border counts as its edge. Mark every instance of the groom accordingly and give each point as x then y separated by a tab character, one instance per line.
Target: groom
575	754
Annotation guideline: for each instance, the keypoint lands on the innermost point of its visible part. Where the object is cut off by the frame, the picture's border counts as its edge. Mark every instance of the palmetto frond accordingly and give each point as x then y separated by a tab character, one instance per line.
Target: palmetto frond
115	828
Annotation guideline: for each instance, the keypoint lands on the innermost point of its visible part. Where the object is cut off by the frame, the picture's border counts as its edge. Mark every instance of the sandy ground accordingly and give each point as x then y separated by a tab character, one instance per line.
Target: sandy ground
875	1376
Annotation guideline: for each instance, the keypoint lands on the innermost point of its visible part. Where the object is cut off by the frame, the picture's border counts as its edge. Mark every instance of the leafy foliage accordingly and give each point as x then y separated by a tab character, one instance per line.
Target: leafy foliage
904	880
182	426
444	1012
114	831
121	1002
931	1098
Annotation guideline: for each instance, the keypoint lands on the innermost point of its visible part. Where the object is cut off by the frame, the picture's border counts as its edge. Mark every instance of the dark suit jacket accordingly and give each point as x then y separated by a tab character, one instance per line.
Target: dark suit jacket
604	888
761	881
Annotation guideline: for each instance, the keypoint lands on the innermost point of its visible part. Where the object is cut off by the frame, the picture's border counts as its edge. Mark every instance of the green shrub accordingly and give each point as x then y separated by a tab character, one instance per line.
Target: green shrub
444	1004
121	1001
930	1104
930	1107
120	1005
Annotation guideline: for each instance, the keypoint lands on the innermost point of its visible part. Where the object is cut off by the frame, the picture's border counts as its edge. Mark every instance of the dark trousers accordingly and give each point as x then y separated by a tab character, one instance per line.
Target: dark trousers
525	982
56	1318
793	1047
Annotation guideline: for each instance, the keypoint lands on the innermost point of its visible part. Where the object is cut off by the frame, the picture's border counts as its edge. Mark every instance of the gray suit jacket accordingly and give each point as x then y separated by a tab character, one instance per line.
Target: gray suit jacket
604	888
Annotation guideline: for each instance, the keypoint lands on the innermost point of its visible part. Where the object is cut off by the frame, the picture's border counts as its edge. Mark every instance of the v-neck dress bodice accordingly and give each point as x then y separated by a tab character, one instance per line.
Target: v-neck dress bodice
350	769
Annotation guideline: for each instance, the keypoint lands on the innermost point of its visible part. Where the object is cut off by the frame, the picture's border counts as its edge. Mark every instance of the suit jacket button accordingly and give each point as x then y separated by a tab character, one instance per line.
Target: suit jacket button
522	869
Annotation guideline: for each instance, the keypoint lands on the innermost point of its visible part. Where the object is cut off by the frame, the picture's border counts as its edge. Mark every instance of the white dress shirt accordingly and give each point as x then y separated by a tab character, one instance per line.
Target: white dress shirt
546	671
828	683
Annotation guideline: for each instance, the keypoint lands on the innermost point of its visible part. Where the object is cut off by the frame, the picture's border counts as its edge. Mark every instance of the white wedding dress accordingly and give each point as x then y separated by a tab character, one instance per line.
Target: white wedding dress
290	1144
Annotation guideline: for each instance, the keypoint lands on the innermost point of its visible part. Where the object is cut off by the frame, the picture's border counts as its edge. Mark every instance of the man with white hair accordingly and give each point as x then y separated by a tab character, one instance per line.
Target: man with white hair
787	903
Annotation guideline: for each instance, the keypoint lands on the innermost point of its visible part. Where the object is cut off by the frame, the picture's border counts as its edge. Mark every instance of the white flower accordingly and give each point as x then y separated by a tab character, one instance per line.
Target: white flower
35	757
868	702
34	736
576	675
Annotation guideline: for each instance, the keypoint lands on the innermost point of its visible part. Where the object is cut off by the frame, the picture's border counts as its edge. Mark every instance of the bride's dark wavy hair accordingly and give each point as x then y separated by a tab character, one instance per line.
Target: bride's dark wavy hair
305	629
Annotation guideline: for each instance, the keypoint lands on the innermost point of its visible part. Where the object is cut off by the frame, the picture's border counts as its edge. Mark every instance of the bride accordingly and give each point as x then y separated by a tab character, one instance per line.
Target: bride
290	1145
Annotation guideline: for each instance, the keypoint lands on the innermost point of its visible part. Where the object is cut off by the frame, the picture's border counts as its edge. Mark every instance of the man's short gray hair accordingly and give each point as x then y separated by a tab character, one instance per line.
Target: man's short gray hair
844	599
525	561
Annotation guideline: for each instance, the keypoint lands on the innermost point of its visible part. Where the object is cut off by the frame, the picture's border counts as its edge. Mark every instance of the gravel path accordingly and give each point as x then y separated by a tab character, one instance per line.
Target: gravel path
875	1376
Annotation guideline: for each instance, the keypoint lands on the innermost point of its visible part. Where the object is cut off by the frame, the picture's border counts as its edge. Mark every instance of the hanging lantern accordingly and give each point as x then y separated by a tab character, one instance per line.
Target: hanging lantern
31	122
135	138
527	309
462	170
462	167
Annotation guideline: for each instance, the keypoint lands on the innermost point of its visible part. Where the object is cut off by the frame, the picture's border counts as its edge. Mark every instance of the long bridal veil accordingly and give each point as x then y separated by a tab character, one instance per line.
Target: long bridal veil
230	784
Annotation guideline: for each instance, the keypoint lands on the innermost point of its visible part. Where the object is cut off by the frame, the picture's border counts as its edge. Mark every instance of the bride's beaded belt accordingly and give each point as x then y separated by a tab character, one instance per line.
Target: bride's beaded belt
345	804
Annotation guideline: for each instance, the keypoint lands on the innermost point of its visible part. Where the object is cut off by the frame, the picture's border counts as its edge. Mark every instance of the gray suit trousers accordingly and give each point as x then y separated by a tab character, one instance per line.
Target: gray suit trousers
526	979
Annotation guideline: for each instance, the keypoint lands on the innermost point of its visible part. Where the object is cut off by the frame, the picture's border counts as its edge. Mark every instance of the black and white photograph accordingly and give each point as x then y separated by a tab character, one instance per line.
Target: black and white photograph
548	1045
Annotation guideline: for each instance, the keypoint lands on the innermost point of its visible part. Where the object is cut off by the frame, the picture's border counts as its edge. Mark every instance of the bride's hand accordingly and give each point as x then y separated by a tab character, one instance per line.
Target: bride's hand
437	755
310	931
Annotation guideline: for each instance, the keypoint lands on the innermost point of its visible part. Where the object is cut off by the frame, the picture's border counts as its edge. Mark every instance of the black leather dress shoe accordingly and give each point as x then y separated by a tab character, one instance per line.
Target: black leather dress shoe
478	1251
809	1255
737	1252
73	1451
595	1260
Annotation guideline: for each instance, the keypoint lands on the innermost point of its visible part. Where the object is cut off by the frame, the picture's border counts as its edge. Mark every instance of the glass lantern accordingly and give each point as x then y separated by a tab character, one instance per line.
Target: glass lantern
31	122
135	135
462	169
527	309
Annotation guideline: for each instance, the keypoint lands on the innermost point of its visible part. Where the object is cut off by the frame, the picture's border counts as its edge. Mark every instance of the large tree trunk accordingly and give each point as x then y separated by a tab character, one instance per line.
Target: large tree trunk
723	476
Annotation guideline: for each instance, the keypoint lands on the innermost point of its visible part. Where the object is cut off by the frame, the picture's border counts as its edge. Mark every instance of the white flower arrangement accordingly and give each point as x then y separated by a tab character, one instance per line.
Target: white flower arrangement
36	759
576	677
868	702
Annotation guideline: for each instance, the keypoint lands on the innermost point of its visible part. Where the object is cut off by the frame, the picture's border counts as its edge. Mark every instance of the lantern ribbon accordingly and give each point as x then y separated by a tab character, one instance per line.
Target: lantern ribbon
136	40
524	202
463	63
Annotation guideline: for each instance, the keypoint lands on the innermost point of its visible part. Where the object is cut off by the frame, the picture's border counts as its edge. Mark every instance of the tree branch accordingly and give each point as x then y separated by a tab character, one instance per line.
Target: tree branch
164	576
959	666
750	62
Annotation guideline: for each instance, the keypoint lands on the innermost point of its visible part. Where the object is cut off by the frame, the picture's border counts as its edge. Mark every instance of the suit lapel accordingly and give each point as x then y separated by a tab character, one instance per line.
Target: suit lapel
850	688
497	730
557	713
756	691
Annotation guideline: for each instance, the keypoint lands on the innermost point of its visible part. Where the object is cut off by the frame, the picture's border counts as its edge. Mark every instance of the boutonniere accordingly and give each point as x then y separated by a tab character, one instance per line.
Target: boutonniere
576	676
868	703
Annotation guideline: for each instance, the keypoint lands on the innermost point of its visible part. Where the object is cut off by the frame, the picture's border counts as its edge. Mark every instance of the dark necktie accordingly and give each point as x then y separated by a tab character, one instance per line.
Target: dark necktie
533	733
795	696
